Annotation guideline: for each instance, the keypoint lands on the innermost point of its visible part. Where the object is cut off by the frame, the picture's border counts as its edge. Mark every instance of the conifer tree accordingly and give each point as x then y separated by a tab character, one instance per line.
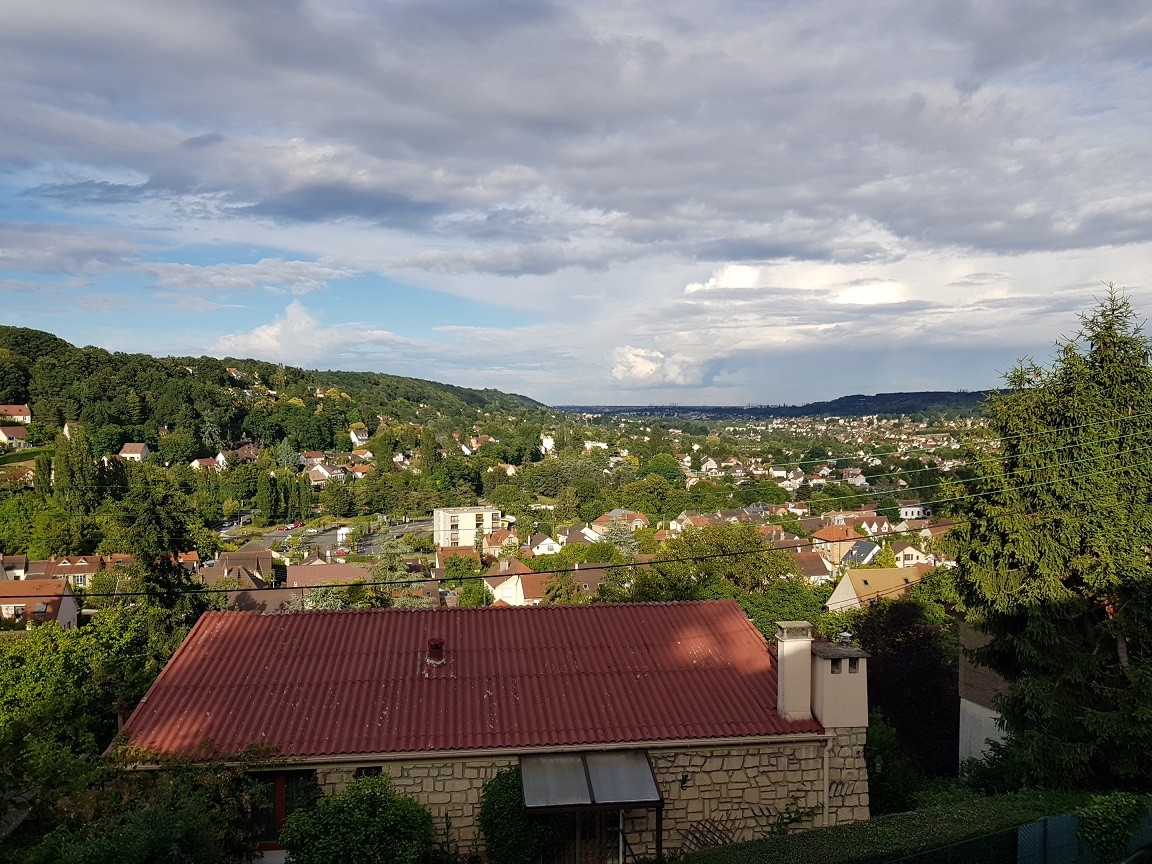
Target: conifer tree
1054	555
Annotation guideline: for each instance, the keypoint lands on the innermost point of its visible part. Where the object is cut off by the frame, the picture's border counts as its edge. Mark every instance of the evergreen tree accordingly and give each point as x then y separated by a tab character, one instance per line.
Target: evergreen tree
1053	559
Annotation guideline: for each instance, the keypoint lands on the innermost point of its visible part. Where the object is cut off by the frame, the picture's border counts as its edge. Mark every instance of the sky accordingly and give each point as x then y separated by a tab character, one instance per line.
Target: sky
595	202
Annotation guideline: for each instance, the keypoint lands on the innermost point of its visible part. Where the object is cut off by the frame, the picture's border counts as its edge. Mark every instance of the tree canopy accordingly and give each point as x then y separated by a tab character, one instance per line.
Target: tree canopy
1054	557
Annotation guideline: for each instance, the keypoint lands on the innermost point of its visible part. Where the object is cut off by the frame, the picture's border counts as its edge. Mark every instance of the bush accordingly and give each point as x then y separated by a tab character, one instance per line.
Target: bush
892	780
1107	822
511	835
185	814
366	823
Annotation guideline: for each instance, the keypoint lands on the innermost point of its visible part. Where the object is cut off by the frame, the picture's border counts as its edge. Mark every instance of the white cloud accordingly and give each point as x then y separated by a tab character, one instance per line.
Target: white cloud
295	277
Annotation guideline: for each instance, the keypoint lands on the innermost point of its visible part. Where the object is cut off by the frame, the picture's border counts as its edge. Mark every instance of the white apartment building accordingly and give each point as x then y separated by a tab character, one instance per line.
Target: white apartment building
463	526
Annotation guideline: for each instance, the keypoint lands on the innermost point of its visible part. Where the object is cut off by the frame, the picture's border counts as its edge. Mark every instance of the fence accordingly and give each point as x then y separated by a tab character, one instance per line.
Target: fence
1046	841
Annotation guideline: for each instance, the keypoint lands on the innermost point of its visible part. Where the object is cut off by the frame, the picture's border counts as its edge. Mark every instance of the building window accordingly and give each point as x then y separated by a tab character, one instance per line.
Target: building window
836	663
853	665
283	792
369	771
454	522
80	580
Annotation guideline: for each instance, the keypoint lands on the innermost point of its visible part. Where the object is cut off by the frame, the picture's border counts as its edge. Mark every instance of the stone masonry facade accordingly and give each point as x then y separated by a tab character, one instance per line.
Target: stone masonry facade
731	793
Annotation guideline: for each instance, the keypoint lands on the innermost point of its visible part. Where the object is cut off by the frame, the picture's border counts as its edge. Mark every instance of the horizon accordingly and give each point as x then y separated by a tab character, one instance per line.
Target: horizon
580	202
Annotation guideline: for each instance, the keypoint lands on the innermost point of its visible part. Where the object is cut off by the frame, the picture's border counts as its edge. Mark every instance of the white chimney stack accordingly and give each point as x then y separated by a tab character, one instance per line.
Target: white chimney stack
794	670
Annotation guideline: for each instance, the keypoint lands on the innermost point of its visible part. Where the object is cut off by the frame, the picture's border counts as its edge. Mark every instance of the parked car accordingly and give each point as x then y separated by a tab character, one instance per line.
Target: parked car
297	524
341	552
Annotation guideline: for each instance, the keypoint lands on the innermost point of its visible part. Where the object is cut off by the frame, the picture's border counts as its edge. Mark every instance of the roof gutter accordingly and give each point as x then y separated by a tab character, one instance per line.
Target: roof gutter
321	761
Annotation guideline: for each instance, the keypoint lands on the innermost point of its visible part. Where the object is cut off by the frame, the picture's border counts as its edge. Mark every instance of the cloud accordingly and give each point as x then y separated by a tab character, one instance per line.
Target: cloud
295	277
642	367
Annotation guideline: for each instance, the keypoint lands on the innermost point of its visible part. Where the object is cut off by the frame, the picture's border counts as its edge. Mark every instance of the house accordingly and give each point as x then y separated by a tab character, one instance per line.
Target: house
860	554
135	452
859	587
542	544
16	413
76	570
463	526
578	533
359	436
205	462
251	562
514	583
913	510
630	519
813	566
39	602
980	689
320	474
499	542
15	566
15	437
834	541
908	555
726	734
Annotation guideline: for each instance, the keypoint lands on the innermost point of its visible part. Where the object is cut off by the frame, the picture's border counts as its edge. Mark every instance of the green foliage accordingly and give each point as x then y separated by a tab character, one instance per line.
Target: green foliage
511	835
64	692
892	780
1052	557
184	815
1107	822
895	837
365	823
474	592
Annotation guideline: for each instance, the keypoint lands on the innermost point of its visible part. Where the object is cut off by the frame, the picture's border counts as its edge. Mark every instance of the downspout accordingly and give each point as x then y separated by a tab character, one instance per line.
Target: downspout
825	802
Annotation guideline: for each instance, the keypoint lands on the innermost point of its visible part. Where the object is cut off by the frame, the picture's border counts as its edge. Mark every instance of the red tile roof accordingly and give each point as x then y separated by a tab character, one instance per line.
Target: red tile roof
358	682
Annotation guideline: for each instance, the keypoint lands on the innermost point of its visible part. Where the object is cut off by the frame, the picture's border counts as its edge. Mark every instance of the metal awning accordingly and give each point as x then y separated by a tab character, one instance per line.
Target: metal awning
612	779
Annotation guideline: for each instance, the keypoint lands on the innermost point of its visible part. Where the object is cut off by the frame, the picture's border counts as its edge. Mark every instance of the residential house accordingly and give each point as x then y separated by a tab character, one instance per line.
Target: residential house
727	735
324	573
206	462
812	566
320	474
250	563
834	541
16	413
908	555
913	510
861	554
859	587
630	519
980	689
39	601
359	436
542	544
76	570
15	566
499	542
514	583
463	526
578	533
310	458
14	437
135	452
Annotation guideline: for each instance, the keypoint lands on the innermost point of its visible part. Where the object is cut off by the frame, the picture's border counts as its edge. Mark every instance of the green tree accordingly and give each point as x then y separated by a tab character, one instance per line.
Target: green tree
367	821
1053	561
511	834
336	498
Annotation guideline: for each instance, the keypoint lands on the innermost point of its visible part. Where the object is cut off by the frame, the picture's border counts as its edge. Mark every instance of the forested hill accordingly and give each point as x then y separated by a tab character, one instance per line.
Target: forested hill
958	403
132	397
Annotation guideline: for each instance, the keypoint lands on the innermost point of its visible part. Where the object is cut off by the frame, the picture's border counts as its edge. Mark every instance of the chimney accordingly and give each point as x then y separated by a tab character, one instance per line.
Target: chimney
794	670
435	651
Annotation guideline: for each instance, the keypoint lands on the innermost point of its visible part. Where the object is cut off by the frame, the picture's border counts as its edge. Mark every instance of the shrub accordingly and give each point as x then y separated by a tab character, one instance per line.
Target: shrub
366	823
892	781
1107	821
511	835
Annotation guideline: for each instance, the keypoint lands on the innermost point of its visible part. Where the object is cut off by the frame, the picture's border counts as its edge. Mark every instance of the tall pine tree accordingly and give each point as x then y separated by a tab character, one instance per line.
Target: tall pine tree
1054	556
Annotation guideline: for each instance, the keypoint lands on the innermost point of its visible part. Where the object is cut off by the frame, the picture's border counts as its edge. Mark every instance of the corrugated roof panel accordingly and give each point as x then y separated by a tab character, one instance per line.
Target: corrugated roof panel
317	684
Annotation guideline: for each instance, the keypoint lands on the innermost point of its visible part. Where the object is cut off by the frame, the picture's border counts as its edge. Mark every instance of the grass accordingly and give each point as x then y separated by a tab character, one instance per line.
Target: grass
28	455
889	838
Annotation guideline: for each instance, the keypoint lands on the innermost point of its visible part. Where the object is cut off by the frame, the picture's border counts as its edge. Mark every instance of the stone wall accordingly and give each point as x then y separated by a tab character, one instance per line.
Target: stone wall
449	788
731	794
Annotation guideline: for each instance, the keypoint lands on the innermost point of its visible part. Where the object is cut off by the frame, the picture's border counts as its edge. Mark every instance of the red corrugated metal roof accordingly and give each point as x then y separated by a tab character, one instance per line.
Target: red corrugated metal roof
316	684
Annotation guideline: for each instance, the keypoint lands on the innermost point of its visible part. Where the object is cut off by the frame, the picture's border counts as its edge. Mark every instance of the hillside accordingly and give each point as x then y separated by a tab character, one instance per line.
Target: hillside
132	397
957	403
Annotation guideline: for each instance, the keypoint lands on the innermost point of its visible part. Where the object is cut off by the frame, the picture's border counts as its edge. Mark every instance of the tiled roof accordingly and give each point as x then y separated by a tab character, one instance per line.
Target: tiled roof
359	682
